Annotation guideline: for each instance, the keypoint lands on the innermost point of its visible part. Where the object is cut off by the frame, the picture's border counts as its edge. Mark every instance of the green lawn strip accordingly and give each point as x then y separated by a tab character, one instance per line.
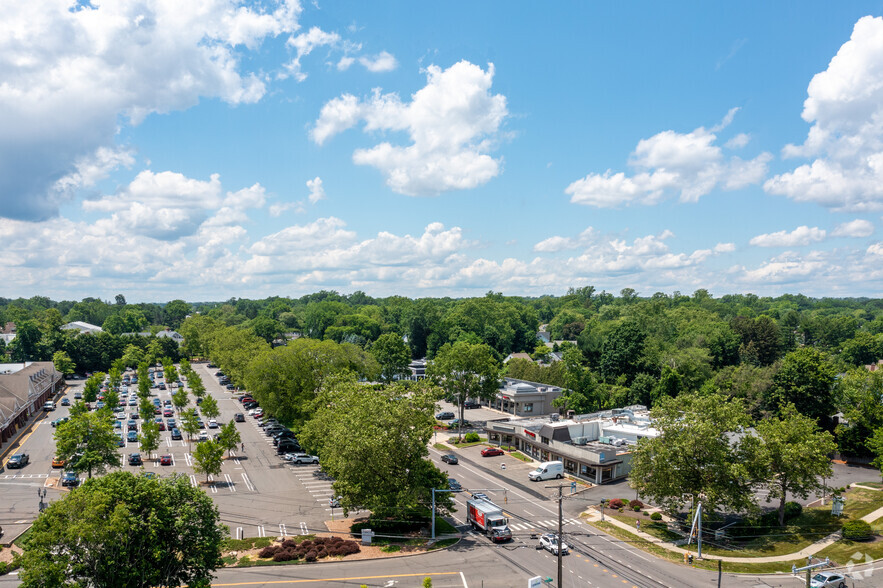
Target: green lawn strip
706	564
656	528
520	456
845	551
872	484
464	444
860	502
441	446
246	543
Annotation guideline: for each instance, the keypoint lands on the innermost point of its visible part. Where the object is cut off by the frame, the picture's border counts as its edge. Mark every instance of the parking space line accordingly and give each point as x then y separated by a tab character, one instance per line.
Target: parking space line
282	530
303	529
230	485
248	483
261	531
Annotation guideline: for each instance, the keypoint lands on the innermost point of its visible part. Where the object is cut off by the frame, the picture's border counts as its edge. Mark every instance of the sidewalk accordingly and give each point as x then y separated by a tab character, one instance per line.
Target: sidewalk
809	550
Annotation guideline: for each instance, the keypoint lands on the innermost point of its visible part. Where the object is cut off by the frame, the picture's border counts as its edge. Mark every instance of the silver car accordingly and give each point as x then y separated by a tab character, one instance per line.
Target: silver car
303	458
549	541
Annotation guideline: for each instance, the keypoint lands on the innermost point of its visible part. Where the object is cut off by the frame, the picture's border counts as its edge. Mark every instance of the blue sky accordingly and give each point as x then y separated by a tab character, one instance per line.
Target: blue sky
202	151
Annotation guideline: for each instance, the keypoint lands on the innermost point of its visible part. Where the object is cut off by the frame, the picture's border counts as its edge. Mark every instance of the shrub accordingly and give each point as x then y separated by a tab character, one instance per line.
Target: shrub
311	555
620	509
792	510
471	438
615	503
636	508
266	552
655	517
288	543
305	544
2	567
322	553
636	504
281	556
857	530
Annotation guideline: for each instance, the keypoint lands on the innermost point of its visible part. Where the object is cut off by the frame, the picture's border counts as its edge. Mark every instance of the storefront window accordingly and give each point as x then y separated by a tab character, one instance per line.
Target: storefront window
527	407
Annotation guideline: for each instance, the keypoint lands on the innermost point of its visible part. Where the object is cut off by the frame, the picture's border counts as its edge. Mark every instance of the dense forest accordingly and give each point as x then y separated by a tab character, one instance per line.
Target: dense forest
611	351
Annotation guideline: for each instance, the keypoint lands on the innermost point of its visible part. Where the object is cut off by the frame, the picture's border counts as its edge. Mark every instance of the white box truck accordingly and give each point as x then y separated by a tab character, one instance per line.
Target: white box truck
487	516
547	470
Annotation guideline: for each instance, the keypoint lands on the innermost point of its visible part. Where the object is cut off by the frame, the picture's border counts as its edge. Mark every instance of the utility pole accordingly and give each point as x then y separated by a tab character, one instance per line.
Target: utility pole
560	532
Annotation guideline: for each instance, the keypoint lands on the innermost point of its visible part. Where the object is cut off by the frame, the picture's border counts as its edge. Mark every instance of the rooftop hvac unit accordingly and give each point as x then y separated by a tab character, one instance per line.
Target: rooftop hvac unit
580	440
605	440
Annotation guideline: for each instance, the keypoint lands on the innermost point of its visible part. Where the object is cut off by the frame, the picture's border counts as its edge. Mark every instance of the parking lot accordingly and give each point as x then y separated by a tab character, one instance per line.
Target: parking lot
257	492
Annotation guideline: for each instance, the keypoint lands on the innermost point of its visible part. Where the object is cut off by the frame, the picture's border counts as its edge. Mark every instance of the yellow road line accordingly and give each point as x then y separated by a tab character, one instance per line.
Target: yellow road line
336	579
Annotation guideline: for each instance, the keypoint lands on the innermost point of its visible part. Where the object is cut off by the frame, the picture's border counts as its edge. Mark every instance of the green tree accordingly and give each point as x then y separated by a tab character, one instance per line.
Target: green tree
133	355
149	439
125	531
393	356
285	380
860	394
694	455
805	379
267	328
87	442
790	454
208	458
209	407
229	437
91	387
63	363
190	423
196	385
376	450
465	370
179	399
175	312
622	352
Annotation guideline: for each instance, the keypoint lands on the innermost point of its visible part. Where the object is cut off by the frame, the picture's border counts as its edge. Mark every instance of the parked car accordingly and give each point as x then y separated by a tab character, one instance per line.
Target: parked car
471	404
212	424
304	458
165	460
121	441
549	541
171	424
78	395
57	462
135	459
450	458
456	423
131	425
445	415
132	436
176	434
160	423
828	579
70	479
49	406
203	436
239	417
287	446
167	412
244	399
18	460
167	402
491	451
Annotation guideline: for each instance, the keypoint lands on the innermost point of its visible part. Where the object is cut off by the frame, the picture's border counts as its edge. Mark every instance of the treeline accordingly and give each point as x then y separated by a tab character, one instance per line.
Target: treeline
620	349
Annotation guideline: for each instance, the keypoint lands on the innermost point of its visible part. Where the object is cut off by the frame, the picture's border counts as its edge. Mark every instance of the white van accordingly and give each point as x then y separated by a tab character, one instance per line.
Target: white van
546	471
49	406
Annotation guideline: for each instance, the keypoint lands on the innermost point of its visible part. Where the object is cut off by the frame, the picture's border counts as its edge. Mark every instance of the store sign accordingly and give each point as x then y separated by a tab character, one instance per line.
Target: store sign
530	434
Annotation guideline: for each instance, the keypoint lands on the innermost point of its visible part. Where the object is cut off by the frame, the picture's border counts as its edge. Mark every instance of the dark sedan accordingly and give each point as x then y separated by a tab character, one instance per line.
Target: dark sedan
450	458
18	460
135	459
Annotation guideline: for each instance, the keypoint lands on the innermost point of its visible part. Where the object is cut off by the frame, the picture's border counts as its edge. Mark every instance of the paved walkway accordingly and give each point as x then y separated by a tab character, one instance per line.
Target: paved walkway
807	551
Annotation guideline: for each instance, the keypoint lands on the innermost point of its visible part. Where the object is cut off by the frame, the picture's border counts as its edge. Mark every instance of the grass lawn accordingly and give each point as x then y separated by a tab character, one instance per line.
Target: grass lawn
705	564
845	551
453	441
656	528
520	456
442	447
872	484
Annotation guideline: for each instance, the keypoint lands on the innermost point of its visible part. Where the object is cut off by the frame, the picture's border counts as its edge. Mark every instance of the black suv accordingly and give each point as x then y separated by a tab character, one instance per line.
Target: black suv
288	446
135	459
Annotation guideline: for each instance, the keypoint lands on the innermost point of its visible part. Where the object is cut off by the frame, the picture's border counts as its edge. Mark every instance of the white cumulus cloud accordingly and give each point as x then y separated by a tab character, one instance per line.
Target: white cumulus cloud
688	164
802	235
382	62
453	122
855	228
844	104
317	192
73	72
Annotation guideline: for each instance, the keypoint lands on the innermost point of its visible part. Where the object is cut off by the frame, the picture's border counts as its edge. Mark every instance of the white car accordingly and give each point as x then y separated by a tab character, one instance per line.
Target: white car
549	541
203	436
303	458
828	580
212	424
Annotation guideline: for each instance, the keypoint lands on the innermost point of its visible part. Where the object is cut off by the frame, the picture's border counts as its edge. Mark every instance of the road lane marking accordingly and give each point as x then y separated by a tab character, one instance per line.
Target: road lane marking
352	579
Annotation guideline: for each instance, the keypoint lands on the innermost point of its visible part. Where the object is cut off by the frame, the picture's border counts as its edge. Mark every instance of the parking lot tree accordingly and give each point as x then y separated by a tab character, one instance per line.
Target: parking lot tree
465	370
148	439
208	457
229	437
146	409
125	531
88	443
91	388
185	368
285	380
111	400
63	363
169	371
179	398
190	423
392	354
790	456
694	455
209	407
373	440
196	385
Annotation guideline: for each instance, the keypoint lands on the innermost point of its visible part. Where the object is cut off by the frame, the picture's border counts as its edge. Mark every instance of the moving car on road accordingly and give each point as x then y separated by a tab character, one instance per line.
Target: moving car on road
450	458
70	479
18	460
239	417
549	541
828	579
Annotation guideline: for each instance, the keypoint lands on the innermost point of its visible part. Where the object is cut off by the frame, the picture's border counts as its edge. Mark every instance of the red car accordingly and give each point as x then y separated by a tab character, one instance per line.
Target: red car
167	412
491	451
165	460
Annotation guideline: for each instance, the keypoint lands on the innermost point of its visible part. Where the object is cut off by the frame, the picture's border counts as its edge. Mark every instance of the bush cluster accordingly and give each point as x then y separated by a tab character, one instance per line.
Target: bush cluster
616	503
655	517
471	438
636	505
857	530
309	550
